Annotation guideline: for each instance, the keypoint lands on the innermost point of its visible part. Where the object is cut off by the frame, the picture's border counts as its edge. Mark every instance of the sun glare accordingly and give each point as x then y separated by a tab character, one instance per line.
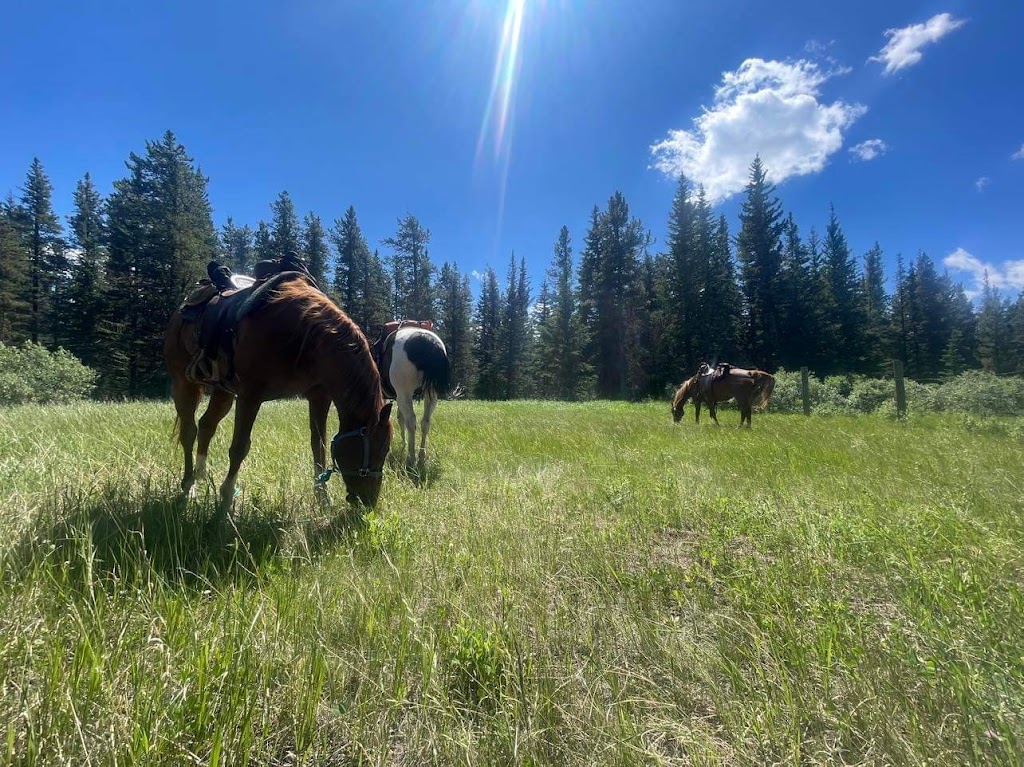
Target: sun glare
494	128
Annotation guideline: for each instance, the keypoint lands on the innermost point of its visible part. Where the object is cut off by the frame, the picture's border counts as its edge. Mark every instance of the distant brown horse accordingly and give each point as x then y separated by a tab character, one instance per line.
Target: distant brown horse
751	388
297	343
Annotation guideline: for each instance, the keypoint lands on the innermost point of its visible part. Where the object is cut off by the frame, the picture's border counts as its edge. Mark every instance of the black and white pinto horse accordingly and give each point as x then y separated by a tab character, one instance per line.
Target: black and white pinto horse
416	363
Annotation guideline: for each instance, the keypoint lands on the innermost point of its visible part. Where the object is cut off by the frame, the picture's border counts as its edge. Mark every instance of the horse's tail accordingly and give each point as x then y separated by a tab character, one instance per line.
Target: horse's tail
427	353
764	385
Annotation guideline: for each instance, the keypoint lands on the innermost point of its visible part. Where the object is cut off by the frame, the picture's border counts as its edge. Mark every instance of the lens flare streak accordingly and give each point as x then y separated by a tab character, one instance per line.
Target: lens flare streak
503	82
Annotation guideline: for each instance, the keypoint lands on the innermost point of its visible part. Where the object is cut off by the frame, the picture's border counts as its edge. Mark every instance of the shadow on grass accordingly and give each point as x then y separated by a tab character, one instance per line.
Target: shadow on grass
133	535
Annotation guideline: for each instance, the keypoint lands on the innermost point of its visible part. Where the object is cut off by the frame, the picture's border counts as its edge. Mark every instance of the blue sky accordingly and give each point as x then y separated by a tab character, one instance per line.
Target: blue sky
385	105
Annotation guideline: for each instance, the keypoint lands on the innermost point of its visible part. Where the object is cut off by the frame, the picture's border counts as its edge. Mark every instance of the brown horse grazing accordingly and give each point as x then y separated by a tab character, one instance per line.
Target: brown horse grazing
751	388
297	343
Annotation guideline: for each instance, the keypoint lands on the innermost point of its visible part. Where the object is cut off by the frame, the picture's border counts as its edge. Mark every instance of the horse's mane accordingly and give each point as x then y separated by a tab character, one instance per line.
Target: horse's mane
327	326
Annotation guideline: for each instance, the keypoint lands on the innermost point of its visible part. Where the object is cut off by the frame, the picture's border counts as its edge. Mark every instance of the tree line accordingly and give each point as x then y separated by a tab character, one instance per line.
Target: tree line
617	318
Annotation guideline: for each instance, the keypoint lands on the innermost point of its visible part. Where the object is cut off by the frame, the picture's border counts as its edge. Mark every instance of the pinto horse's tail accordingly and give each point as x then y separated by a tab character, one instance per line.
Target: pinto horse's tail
764	385
427	353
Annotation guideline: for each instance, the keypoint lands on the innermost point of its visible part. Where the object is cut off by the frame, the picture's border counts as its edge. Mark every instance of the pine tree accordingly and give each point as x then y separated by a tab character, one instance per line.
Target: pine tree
899	317
823	317
161	238
47	260
796	288
759	251
14	285
314	248
85	292
455	300
560	348
285	233
237	248
485	351
412	269
376	293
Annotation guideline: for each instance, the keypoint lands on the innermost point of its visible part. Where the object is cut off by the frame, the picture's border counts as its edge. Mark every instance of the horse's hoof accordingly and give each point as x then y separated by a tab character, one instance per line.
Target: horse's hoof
320	493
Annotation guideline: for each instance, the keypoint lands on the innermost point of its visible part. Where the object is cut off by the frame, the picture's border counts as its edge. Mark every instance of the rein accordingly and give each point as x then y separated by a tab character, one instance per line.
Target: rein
364	470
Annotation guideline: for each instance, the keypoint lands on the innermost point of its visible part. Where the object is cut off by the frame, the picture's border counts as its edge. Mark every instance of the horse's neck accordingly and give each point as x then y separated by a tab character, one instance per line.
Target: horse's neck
351	381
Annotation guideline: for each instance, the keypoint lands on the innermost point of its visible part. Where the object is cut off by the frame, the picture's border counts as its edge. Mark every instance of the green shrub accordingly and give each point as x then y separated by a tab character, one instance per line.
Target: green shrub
32	374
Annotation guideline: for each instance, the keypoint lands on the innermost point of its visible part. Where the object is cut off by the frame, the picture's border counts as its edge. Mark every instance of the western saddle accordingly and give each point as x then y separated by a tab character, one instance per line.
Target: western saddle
218	304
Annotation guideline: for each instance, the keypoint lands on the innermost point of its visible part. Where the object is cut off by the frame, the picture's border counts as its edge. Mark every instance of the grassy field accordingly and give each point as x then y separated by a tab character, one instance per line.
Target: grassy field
571	584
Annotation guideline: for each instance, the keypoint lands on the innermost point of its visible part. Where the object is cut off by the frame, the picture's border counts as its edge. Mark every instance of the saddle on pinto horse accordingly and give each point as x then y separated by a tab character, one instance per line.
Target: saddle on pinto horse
217	305
384	346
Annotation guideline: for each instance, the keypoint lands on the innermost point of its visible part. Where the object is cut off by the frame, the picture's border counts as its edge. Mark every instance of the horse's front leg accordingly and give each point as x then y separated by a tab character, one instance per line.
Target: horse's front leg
319	408
245	417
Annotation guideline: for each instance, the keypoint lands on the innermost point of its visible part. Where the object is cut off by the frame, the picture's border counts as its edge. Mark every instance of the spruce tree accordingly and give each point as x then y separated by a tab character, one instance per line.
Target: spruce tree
995	350
849	354
237	249
285	232
1017	335
161	238
47	261
262	243
875	311
85	293
14	285
560	347
486	352
722	303
314	248
412	270
351	264
680	289
513	332
759	251
454	323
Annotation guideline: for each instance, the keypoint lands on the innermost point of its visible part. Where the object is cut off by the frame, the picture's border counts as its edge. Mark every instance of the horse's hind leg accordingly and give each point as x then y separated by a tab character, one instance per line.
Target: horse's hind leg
218	407
429	403
405	410
186	399
245	417
713	410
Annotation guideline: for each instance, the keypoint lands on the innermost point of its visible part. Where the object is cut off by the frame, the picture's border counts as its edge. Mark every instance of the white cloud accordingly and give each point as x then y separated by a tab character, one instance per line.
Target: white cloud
1019	154
905	44
869	150
770	108
981	183
477	275
1009	277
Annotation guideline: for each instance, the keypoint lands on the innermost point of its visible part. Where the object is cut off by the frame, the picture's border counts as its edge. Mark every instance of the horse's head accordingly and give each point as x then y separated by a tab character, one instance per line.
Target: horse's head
683	393
359	457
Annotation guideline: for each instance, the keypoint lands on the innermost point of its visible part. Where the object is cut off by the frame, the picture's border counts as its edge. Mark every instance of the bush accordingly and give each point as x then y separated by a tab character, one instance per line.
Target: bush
975	392
32	374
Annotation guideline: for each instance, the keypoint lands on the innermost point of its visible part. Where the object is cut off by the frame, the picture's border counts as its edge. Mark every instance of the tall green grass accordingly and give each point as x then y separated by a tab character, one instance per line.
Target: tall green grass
569	584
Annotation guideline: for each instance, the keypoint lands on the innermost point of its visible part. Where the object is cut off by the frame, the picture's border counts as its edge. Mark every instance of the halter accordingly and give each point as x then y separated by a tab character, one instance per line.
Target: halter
364	470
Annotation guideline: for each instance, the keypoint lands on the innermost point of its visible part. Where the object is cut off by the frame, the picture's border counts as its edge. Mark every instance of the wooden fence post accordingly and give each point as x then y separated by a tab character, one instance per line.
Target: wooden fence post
805	389
901	389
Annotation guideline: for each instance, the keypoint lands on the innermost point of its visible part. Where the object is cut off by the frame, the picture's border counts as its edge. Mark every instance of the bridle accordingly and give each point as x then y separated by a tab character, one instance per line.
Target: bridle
362	471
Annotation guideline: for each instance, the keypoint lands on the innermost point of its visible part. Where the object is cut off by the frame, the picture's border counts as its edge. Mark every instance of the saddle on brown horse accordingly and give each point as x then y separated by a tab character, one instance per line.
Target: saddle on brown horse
384	346
707	375
218	304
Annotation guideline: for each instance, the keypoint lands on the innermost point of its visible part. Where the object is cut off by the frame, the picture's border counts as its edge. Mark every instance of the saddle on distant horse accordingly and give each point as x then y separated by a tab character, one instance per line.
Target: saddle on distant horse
217	305
708	375
384	346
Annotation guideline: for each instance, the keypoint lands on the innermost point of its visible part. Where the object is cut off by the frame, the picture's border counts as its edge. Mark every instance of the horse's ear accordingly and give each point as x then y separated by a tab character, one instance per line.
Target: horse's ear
385	413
